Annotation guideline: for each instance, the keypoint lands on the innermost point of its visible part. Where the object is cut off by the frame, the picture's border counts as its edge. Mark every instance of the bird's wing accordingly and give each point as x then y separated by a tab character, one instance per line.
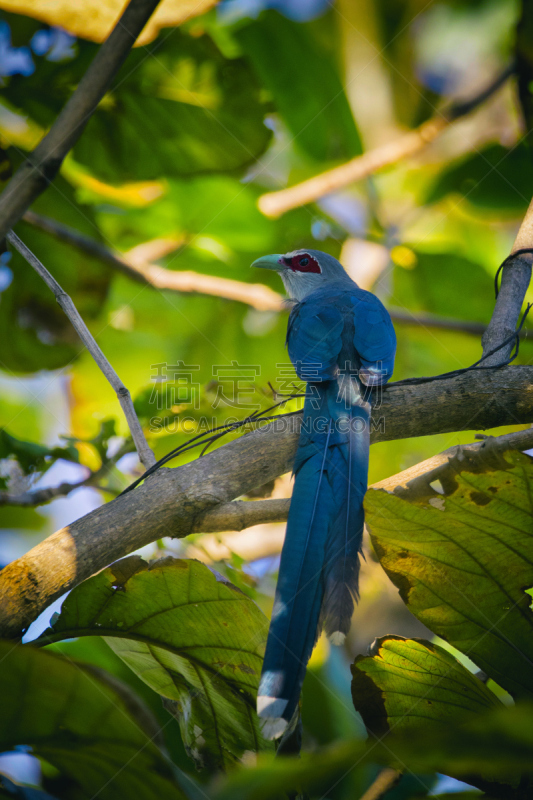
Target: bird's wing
374	339
314	340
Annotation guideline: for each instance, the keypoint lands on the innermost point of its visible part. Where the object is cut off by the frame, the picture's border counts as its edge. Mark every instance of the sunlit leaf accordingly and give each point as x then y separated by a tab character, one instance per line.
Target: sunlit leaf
192	637
92	19
462	559
86	724
407	684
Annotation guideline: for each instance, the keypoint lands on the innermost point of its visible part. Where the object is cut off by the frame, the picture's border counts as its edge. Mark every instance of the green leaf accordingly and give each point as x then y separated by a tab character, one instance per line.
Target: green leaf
495	743
408	684
305	85
462	560
497	179
182	110
85	723
33	457
192	637
187	210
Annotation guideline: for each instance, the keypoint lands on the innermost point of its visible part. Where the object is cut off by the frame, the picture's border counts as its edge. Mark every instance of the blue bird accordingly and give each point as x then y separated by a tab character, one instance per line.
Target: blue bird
340	340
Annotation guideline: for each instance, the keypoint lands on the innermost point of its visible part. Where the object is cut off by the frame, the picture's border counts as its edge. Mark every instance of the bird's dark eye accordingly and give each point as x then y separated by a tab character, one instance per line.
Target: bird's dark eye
304	262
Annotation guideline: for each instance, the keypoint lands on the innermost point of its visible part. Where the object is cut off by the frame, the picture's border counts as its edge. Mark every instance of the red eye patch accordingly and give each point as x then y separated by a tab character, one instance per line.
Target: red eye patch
303	263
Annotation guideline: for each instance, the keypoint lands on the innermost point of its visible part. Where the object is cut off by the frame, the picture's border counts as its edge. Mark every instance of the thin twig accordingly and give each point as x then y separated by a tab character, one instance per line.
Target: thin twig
256	295
38	497
274	204
145	454
387	779
42	165
253	294
435	321
516	275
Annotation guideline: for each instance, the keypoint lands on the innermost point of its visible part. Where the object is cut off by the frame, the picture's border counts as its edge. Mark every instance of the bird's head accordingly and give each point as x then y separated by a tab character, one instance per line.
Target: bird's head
304	271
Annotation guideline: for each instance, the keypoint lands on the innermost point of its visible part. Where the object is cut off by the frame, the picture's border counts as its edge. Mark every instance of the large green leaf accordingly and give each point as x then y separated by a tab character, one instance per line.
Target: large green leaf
409	683
495	179
187	210
463	560
305	85
191	636
89	726
181	109
495	742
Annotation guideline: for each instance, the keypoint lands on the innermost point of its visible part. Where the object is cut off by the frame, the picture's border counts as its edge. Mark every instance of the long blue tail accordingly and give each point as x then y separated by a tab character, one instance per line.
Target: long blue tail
319	568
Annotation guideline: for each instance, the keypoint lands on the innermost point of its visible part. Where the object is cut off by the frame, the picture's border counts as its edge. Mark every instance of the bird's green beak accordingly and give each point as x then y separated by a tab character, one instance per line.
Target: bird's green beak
269	262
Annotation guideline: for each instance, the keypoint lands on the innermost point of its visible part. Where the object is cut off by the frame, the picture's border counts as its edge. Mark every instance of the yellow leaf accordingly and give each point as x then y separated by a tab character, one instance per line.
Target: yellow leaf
95	19
135	195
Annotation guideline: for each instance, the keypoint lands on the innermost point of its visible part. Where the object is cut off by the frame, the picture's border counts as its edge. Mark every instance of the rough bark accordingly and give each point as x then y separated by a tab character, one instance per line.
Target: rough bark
176	502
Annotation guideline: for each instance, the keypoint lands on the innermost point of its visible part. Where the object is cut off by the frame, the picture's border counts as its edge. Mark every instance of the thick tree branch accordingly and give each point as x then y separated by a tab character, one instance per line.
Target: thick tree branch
41	166
516	275
174	502
256	295
239	514
145	454
274	204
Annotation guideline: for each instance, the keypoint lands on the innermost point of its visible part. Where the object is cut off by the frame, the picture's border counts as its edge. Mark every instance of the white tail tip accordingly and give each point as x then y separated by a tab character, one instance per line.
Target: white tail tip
270	710
268	707
337	637
274	727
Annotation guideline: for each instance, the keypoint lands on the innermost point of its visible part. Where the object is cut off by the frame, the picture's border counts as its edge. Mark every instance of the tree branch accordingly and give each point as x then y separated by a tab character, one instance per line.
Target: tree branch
516	275
145	454
253	294
174	502
42	165
256	295
239	514
274	204
38	497
386	780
